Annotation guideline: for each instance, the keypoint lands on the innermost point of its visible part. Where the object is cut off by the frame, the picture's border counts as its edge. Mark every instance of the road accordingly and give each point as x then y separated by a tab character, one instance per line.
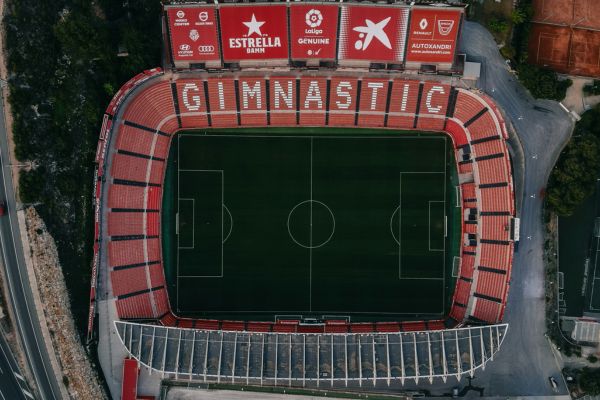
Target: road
20	294
12	384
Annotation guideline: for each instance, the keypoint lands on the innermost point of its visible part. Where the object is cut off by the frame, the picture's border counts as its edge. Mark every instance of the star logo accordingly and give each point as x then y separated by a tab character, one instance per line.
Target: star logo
372	30
254	26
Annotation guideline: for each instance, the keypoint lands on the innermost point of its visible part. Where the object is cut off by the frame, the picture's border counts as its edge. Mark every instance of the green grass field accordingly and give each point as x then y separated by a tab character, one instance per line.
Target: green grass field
349	223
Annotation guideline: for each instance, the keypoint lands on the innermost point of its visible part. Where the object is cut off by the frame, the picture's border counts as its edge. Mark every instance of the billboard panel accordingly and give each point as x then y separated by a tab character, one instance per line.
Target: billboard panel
372	33
433	35
313	31
193	33
254	32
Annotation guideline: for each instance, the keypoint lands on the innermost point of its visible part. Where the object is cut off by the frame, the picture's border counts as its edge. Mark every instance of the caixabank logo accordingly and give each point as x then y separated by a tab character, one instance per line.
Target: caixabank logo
373	33
314	30
254	32
433	35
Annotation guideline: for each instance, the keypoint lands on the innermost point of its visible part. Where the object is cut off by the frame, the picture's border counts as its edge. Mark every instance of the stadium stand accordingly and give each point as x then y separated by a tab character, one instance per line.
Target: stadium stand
141	129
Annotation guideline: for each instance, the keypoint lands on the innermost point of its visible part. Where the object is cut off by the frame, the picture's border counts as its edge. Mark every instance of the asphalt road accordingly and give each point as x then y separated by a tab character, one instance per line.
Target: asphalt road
21	298
12	384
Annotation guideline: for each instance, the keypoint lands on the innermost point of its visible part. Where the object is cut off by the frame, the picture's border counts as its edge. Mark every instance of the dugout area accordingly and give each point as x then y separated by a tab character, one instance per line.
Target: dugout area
268	223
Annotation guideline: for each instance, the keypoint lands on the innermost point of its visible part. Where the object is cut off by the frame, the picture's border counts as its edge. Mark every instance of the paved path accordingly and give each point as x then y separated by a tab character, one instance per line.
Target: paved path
20	294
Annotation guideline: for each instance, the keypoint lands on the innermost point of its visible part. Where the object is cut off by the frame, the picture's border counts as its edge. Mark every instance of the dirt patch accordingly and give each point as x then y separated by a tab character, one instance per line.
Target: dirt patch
576	13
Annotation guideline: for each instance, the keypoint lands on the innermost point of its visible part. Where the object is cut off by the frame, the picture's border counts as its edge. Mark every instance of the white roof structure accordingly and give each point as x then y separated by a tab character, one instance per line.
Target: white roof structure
586	331
293	359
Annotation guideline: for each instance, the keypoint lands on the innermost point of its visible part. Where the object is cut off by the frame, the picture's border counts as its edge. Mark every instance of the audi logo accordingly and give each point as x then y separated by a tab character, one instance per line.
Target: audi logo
206	49
184	47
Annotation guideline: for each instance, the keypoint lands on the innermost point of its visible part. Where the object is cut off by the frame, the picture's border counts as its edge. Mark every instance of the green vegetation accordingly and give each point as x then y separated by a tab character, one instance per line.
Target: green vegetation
498	24
586	381
497	17
573	177
62	58
593	89
542	82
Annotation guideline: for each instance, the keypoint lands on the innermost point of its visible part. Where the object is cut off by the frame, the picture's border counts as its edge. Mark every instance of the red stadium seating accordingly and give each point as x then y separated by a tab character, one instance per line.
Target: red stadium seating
282	91
457	132
467	106
192	103
497	199
483	127
313	101
496	227
253	101
221	96
141	141
373	98
486	310
495	256
127	252
126	223
403	104
137	169
151	106
342	101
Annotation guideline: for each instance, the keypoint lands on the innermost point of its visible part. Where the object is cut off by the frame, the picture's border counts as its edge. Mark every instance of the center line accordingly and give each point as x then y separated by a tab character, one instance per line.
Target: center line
310	240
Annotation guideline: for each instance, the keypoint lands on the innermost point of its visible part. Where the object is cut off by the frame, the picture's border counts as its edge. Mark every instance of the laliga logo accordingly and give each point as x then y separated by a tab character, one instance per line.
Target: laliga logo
445	26
314	18
370	31
180	14
194	35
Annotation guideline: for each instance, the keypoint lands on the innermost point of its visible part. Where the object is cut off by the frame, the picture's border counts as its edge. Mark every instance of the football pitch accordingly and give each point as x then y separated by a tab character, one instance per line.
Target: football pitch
330	223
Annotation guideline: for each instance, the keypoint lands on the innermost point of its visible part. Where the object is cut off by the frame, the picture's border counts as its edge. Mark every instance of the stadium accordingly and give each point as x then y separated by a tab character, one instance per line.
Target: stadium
304	203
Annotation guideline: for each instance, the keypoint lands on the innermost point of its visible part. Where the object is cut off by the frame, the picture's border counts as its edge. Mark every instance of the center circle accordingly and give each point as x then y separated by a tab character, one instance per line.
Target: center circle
311	224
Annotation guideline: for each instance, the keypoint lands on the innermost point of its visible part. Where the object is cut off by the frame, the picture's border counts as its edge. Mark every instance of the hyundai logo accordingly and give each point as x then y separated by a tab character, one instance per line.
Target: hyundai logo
184	47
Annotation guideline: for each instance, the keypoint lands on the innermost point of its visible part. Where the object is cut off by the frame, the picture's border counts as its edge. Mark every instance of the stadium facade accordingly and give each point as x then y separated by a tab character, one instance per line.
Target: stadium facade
292	65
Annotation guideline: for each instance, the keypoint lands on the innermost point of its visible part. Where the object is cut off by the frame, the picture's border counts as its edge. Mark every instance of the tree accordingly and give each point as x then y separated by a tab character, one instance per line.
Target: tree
573	178
589	381
498	25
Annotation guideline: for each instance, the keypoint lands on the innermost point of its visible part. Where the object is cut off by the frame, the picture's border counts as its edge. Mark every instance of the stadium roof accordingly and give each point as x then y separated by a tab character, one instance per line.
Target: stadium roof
288	359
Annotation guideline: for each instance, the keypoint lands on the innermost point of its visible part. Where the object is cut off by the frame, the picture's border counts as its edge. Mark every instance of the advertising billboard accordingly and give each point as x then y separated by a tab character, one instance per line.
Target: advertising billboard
433	35
372	33
313	30
193	34
254	32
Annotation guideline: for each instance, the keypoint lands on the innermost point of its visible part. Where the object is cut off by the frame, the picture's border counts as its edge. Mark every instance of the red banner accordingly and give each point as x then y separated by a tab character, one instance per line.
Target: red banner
313	30
193	33
254	32
433	35
373	33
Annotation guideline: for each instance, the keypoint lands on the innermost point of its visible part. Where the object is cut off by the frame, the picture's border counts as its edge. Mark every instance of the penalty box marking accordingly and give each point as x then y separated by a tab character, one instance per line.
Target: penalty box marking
445	224
221	275
400	226
193	224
